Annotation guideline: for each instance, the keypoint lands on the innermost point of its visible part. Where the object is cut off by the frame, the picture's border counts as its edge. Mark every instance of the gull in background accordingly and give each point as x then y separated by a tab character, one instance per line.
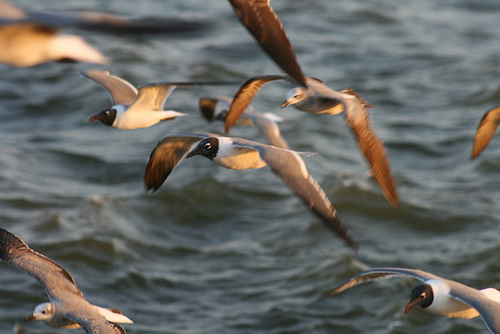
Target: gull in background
266	123
67	307
438	295
31	38
320	99
485	130
259	18
238	153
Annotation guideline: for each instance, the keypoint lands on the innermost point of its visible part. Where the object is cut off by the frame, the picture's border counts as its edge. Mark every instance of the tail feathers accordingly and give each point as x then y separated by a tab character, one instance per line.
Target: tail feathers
113	315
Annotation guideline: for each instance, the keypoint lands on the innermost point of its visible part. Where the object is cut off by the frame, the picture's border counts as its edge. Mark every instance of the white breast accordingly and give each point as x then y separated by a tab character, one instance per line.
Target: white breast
447	306
233	157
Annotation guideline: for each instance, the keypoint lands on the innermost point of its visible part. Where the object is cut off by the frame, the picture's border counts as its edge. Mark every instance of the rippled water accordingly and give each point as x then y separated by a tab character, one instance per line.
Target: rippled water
223	251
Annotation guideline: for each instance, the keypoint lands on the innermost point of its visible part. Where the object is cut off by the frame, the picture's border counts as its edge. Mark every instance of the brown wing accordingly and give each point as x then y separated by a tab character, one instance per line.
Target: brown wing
372	148
292	170
245	95
485	130
167	154
54	278
262	22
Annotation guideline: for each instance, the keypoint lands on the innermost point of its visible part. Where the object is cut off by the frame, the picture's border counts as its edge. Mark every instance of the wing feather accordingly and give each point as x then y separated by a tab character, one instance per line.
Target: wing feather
261	21
166	155
291	168
245	95
485	130
47	272
120	91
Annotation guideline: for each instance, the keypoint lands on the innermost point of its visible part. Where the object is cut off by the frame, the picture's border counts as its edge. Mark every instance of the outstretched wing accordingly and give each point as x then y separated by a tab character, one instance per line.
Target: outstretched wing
167	154
269	129
151	97
245	95
485	130
54	278
120	91
290	167
375	274
488	308
372	148
262	22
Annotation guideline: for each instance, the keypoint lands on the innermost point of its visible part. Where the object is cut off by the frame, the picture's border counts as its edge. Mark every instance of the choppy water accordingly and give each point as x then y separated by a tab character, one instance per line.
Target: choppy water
222	251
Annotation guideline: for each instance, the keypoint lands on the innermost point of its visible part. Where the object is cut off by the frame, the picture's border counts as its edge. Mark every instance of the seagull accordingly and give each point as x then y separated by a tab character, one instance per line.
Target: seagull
132	108
31	38
26	44
238	153
261	21
438	295
320	99
266	123
485	130
67	307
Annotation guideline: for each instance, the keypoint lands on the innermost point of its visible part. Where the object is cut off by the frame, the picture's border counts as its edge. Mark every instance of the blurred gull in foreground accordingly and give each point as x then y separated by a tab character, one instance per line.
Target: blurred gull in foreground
266	123
259	18
320	99
30	38
238	153
438	295
67	307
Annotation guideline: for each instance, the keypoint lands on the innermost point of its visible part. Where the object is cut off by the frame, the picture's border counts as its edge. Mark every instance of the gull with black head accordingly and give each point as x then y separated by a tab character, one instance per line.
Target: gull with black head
266	123
438	295
318	98
132	108
67	307
238	153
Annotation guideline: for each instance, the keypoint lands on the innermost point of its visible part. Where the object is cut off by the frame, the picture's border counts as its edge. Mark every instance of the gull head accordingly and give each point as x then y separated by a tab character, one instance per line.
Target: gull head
44	311
107	117
207	147
421	295
294	95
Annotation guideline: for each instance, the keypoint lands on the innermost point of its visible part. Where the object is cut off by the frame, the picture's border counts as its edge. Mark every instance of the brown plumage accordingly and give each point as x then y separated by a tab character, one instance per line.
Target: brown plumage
485	131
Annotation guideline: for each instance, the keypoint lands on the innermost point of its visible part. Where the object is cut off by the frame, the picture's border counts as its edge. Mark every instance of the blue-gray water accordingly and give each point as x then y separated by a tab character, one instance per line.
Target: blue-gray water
223	251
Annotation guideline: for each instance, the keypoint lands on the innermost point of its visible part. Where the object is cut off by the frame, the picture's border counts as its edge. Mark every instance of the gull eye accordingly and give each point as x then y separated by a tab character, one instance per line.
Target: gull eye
423	295
107	113
43	312
207	146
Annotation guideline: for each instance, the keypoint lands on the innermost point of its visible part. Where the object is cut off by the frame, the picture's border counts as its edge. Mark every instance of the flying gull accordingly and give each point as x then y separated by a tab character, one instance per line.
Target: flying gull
320	99
67	307
261	21
266	123
438	295
31	38
237	153
132	108
485	130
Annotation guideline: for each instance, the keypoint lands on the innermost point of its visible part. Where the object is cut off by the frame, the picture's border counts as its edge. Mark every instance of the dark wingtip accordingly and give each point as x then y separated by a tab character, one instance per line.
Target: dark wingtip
9	241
